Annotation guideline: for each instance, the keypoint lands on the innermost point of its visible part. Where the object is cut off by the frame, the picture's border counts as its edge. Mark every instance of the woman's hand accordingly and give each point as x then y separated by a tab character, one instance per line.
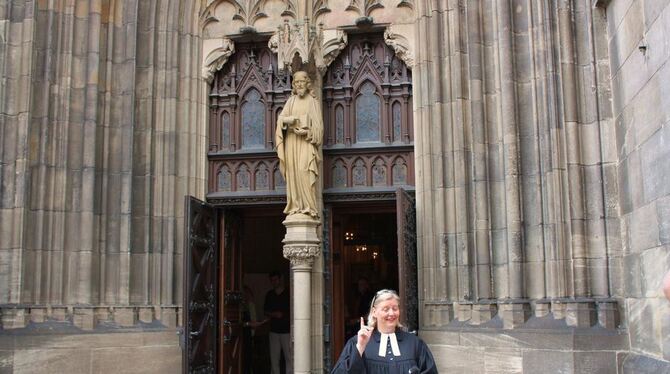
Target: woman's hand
364	335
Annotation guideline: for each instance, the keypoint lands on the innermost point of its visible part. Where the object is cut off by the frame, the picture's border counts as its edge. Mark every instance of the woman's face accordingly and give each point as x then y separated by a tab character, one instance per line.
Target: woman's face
387	313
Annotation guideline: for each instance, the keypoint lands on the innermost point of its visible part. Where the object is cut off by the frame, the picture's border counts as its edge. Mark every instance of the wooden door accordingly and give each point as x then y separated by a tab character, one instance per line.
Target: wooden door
230	330
201	291
407	260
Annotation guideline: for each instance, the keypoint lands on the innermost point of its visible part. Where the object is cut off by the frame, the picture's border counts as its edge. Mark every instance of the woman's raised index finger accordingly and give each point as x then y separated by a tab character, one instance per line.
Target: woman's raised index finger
362	323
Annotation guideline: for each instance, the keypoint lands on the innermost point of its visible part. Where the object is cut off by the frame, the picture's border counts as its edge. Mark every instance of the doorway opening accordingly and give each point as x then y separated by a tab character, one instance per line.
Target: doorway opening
364	260
261	255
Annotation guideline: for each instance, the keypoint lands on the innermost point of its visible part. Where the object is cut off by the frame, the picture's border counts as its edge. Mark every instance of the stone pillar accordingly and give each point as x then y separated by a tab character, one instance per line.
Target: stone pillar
301	247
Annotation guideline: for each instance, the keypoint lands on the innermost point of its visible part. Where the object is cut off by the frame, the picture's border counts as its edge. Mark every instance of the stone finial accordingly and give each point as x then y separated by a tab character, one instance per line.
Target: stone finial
301	255
217	58
303	40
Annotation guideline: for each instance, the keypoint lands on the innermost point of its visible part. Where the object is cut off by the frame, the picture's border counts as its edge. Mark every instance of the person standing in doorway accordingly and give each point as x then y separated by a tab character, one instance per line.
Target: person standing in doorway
278	308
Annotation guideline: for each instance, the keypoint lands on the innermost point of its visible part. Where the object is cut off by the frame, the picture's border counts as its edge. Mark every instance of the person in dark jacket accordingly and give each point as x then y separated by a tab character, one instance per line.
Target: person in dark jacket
382	346
277	309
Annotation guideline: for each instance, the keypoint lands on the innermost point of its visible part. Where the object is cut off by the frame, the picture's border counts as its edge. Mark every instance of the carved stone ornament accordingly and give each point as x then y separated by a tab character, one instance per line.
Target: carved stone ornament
303	39
400	45
301	255
364	7
217	58
334	41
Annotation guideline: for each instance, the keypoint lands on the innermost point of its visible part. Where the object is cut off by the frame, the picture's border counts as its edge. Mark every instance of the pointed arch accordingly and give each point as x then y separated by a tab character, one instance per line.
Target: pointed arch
368	113
359	173
379	172
339	174
253	119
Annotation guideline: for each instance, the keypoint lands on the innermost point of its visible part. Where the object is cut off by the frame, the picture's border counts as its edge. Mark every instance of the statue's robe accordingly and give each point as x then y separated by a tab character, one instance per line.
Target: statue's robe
299	156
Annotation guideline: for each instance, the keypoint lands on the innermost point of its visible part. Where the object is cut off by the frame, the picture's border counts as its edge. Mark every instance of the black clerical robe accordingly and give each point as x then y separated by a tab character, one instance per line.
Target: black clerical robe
413	352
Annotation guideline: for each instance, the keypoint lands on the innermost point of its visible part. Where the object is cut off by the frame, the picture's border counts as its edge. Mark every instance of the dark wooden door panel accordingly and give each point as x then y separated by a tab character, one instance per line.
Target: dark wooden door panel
230	330
200	288
407	259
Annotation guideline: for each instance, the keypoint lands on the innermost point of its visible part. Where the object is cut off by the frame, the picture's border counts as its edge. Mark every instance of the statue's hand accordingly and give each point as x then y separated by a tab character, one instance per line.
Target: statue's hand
299	131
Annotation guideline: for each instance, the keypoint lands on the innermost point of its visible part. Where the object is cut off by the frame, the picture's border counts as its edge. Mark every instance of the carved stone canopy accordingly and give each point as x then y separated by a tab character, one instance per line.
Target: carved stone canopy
400	45
217	58
303	39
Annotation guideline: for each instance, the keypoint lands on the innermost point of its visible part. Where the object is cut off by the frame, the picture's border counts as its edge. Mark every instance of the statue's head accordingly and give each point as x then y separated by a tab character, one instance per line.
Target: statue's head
302	85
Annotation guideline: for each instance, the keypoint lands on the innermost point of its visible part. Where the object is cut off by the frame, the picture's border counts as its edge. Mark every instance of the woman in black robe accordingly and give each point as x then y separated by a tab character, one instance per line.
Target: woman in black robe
382	346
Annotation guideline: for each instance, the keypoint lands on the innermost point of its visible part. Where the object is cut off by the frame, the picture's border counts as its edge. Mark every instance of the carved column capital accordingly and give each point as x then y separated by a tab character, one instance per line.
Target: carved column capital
301	255
217	58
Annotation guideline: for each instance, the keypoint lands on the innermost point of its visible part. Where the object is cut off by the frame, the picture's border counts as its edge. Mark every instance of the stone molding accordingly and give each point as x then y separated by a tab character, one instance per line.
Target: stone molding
555	313
217	58
301	255
400	45
87	317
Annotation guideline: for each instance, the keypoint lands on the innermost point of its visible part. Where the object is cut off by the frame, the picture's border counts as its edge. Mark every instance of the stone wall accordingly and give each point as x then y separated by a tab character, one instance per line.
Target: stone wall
102	133
129	351
639	53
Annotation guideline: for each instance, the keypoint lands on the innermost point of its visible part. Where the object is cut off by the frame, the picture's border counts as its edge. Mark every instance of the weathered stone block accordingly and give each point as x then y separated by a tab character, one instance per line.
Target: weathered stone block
168	317
539	361
146	314
463	311
542	308
38	315
13	318
580	314
655	166
663	211
638	364
84	318
643	326
514	314
58	313
595	362
482	313
102	314
125	317
608	315
644	228
558	309
654	263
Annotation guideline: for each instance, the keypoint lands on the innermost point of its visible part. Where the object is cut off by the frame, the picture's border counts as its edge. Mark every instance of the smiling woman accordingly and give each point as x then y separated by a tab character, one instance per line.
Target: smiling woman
382	346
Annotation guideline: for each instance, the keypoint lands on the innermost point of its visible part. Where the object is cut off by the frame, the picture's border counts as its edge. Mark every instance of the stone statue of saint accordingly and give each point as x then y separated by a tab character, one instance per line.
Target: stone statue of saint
298	137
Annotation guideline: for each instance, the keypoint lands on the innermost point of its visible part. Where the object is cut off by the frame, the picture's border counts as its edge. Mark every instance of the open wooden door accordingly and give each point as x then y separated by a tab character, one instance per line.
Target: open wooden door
201	291
212	282
230	331
407	260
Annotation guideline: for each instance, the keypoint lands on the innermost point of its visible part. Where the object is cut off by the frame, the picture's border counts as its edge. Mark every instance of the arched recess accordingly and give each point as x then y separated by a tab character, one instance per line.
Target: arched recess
368	113
253	121
245	97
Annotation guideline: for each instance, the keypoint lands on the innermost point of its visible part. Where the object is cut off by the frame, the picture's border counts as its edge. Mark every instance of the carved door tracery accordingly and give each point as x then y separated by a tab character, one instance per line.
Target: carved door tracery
367	98
246	97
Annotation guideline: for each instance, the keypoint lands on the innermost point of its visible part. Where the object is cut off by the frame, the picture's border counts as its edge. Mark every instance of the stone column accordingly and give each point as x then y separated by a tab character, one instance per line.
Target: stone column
301	247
